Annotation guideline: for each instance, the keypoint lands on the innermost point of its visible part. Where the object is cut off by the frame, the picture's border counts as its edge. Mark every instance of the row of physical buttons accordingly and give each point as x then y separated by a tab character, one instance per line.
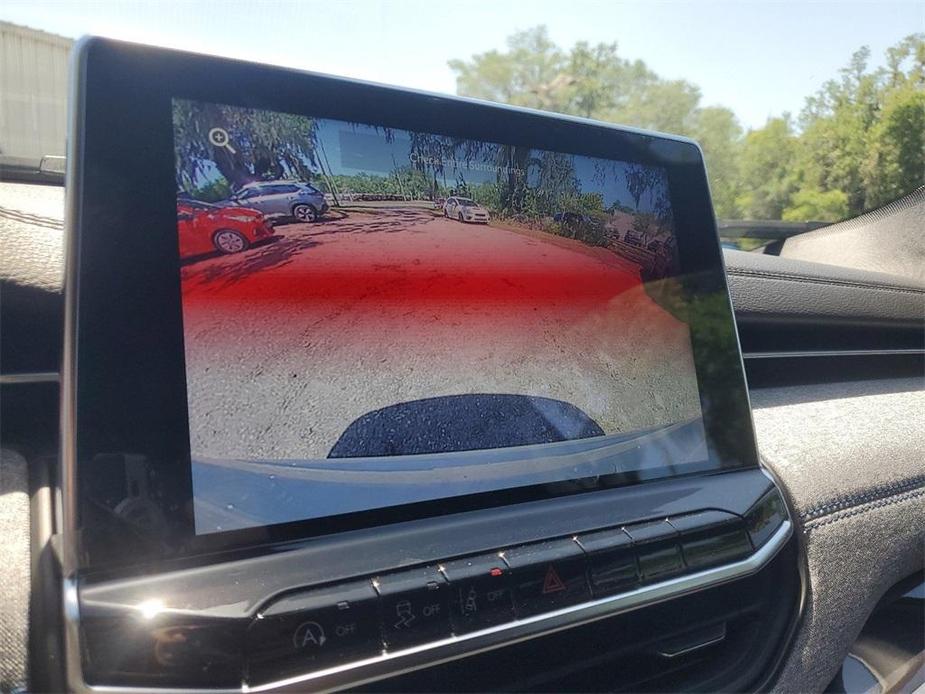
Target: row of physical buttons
329	626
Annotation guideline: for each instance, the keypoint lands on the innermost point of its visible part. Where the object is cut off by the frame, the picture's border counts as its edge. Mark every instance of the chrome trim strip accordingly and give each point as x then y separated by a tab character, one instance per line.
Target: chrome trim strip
697	646
455	647
66	509
833	353
37	377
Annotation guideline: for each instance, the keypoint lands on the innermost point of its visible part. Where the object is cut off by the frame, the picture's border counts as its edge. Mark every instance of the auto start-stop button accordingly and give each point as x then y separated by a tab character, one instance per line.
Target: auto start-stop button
312	630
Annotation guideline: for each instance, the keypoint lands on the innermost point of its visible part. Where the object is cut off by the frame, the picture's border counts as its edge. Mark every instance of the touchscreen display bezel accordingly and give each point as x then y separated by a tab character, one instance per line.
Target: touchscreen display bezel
124	380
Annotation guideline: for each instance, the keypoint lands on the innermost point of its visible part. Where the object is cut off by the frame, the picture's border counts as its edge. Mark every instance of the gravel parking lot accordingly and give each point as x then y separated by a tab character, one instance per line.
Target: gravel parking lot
289	343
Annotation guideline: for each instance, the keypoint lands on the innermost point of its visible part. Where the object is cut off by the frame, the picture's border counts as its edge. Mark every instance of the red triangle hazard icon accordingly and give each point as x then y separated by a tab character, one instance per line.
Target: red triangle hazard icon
552	584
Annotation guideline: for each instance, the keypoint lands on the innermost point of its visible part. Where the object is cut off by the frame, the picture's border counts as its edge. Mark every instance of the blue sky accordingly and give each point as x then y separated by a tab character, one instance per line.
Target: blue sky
760	58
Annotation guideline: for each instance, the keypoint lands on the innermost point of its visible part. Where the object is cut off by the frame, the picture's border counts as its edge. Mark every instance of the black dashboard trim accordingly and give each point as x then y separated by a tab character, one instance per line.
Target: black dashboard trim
454	647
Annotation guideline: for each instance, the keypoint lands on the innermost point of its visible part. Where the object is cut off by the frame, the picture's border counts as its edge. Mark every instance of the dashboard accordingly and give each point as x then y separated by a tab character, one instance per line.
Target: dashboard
616	531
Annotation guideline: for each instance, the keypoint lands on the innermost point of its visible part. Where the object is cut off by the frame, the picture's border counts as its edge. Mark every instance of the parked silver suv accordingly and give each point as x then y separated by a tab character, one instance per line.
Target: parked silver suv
282	198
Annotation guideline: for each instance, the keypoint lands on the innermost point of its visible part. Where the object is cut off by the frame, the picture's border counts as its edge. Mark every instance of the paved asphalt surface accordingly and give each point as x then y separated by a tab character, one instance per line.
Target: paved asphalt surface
319	333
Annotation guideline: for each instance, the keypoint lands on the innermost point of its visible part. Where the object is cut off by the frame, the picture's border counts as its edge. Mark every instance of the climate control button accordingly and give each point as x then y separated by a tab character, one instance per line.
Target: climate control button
711	538
657	550
611	561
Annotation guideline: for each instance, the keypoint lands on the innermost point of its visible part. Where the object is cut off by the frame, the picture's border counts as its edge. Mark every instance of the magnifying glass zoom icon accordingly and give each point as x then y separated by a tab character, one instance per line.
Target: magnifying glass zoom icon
219	138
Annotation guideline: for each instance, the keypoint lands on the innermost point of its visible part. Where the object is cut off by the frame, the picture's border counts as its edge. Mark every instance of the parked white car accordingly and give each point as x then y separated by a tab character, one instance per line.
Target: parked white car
465	210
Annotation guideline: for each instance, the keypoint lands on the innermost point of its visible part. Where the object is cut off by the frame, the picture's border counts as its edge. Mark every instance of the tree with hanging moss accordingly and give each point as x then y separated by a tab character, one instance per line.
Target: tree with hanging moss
263	145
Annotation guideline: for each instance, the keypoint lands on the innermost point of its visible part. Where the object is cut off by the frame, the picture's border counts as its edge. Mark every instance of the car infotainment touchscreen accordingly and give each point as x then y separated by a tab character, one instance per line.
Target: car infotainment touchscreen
376	316
300	305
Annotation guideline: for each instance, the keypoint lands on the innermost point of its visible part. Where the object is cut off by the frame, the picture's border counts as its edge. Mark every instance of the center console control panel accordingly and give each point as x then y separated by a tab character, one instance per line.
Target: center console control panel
334	628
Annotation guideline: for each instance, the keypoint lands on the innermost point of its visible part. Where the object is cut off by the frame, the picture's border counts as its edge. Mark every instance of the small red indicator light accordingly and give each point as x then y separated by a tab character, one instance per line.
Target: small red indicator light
496	572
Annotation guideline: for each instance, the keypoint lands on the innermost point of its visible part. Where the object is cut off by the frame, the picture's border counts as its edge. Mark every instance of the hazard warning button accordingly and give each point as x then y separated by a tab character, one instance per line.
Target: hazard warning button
547	576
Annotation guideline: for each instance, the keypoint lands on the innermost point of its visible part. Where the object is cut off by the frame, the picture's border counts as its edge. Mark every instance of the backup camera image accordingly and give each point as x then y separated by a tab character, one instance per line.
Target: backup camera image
374	317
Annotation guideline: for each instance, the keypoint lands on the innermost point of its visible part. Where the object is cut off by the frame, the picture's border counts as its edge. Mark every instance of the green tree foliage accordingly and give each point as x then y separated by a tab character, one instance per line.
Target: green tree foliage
595	82
858	143
264	145
835	124
670	106
211	192
815	205
895	160
640	180
530	73
589	81
720	136
766	176
862	133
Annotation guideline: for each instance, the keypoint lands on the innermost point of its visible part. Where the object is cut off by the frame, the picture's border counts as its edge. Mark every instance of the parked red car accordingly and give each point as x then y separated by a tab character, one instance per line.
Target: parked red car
205	228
